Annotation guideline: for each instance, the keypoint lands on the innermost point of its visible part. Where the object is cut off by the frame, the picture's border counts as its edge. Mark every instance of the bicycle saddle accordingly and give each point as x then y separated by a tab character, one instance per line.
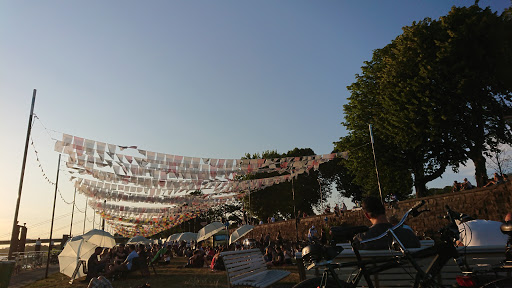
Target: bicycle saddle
346	233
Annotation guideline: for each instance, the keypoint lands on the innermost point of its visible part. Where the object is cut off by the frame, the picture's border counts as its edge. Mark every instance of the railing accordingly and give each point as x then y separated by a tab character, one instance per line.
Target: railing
32	260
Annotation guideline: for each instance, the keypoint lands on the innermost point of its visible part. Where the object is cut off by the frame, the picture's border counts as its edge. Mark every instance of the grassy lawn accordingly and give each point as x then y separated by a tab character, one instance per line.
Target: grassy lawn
168	276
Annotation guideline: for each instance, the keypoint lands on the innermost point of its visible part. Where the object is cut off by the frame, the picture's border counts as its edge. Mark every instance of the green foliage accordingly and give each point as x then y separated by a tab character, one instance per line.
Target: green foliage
277	200
435	96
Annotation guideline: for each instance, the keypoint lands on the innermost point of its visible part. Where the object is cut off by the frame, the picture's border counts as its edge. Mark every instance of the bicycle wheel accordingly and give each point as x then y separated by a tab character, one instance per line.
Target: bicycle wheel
315	283
500	283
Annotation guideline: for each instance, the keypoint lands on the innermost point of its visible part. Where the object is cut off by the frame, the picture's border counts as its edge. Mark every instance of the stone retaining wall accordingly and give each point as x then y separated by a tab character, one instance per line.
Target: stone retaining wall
490	203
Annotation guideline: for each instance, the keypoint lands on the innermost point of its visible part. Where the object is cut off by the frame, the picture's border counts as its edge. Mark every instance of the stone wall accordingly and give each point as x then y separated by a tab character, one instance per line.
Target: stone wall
490	203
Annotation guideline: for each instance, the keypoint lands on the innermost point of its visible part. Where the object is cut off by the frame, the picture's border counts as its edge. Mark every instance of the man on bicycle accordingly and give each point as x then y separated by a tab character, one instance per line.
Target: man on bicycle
376	213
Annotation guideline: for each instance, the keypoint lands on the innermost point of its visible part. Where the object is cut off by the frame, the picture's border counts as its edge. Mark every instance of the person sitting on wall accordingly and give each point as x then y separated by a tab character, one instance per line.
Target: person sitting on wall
376	213
337	210
466	185
497	179
456	186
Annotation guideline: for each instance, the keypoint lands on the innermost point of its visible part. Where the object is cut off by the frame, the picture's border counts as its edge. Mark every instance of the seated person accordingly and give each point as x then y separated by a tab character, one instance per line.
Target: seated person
466	185
376	213
167	257
127	264
121	254
196	261
497	179
159	255
94	266
268	256
278	258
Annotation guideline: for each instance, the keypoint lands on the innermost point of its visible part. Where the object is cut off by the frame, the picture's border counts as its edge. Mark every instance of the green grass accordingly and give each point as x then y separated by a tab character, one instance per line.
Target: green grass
168	276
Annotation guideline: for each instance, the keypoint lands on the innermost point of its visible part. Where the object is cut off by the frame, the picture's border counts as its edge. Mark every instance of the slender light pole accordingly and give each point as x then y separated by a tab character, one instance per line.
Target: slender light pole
53	216
72	214
85	215
295	213
375	161
103	223
14	238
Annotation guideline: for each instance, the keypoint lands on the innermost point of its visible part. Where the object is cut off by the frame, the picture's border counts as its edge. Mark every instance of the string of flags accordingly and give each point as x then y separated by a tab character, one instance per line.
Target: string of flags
101	172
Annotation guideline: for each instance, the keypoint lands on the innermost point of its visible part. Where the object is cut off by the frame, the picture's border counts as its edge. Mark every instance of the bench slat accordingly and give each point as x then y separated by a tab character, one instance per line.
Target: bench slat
247	267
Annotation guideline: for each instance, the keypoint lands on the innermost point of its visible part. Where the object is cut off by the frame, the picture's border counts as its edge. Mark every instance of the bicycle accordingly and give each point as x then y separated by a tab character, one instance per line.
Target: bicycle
489	276
443	251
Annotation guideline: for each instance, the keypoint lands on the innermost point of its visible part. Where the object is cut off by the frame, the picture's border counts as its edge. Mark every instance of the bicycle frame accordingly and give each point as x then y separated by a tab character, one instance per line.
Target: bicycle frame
443	252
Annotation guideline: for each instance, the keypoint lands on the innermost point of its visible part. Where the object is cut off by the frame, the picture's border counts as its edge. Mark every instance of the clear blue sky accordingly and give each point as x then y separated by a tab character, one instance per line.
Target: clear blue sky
196	78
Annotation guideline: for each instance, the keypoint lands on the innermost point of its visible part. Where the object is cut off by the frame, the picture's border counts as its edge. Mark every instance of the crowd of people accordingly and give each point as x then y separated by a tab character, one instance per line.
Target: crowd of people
276	250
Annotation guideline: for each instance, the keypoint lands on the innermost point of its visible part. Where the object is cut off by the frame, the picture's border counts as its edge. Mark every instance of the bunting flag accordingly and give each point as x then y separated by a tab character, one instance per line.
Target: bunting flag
162	184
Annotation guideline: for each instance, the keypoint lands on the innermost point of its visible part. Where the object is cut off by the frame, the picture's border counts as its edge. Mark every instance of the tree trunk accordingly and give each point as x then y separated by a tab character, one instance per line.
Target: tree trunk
419	181
480	169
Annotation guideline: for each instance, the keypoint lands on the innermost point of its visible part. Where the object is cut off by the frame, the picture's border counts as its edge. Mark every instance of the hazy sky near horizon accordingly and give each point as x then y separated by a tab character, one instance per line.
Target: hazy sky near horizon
196	78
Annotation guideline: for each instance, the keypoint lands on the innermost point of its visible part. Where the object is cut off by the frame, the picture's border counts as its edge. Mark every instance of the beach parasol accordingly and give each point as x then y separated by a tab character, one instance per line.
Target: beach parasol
209	230
75	250
173	237
187	236
239	233
139	239
100	238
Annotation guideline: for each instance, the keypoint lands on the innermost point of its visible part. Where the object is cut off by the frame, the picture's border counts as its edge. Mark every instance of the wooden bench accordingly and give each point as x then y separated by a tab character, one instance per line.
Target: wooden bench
247	268
477	257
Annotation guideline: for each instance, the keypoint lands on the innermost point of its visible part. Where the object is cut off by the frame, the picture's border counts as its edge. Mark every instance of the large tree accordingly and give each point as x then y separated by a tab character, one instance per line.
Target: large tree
277	200
435	95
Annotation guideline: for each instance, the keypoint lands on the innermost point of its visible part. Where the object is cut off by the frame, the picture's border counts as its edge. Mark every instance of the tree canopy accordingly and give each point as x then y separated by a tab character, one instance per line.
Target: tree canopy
277	200
436	96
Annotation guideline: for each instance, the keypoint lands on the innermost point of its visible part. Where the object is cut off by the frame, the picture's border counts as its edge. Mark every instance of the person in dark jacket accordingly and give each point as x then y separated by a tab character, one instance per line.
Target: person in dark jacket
376	213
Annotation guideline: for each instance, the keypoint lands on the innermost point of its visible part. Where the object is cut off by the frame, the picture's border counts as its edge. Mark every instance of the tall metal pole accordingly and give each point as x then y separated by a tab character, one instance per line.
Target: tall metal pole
295	213
85	215
72	214
93	217
53	216
103	223
13	245
375	161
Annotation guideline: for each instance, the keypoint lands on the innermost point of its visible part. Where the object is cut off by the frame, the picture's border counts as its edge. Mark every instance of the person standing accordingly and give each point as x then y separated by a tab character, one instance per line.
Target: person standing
312	233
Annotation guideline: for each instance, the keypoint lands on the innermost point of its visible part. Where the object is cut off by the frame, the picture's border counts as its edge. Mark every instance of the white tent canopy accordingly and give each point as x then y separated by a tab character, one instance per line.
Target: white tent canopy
75	250
100	238
239	233
209	230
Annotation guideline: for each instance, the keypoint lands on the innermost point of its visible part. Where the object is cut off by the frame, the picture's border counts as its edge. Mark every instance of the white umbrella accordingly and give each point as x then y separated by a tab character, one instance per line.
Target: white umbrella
240	232
75	250
100	238
187	236
209	230
173	237
139	239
